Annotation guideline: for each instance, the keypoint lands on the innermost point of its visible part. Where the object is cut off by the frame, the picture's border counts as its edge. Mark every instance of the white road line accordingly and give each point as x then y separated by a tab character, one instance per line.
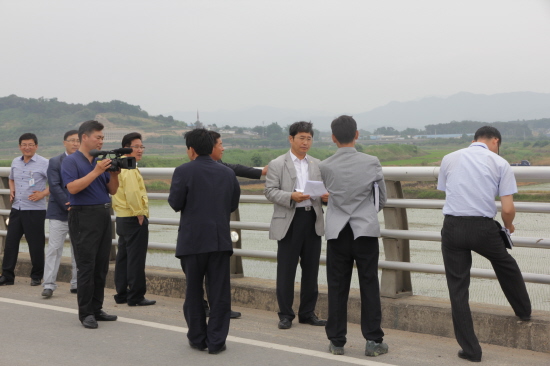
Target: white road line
251	342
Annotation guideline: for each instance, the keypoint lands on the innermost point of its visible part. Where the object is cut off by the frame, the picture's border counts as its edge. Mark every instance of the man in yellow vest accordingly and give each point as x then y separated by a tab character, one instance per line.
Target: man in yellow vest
130	204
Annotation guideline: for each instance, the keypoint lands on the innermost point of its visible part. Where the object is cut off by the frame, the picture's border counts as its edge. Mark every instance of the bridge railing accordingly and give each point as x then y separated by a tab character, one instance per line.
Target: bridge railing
396	268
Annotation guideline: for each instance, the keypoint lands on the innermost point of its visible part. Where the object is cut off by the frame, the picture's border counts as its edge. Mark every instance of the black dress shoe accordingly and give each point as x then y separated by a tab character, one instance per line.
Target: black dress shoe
5	282
89	322
143	302
285	323
35	282
525	318
314	320
464	356
218	351
199	348
74	290
104	317
47	293
235	314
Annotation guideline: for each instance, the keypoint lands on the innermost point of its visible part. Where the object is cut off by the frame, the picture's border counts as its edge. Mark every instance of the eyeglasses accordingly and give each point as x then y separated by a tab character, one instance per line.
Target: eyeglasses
25	145
138	147
73	141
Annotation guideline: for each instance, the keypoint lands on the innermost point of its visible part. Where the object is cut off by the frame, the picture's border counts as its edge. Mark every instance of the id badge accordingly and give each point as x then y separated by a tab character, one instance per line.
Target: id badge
31	182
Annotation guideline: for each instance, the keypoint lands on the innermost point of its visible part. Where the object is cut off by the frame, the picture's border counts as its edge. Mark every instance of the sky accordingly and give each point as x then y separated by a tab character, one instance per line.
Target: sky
328	56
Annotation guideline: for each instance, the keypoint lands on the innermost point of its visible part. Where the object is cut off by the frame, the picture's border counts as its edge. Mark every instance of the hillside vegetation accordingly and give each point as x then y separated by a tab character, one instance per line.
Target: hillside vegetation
50	117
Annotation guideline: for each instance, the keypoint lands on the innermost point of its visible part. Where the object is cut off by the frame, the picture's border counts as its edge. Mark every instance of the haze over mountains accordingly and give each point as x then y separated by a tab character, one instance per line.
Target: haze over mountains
399	115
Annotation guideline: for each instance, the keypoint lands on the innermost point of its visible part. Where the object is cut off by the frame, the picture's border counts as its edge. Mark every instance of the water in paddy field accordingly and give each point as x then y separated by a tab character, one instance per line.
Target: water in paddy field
481	290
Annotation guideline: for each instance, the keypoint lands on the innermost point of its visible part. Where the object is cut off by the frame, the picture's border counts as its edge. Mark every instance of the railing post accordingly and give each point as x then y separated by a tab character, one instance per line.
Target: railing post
114	248
236	263
396	283
6	205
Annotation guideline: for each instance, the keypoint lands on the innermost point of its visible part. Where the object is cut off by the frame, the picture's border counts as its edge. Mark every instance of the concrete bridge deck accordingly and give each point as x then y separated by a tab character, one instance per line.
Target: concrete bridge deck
47	332
37	331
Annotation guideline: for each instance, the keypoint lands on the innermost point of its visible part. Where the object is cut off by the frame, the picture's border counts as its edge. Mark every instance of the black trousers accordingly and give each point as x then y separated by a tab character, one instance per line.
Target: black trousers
461	236
215	266
302	244
133	240
30	223
341	253
90	230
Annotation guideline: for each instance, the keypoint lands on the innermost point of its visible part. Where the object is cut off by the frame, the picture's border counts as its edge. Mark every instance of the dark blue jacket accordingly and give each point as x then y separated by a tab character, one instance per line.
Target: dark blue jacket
205	193
59	196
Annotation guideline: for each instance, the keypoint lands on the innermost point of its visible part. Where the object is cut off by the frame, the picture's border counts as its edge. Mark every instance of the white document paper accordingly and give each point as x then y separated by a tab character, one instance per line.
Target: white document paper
376	197
315	189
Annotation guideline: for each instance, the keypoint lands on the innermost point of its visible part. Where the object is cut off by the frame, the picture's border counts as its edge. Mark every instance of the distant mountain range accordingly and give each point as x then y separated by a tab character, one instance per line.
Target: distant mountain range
399	115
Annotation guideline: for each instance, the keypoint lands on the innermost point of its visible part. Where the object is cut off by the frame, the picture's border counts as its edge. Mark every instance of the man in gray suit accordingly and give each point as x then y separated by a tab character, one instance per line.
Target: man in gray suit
352	230
297	225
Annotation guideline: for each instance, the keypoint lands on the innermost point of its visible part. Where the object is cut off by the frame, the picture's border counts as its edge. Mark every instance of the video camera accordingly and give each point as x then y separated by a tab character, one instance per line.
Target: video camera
118	162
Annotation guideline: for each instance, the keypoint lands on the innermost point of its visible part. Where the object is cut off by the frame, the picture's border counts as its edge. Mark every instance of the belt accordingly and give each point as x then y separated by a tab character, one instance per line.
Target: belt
307	208
90	207
471	217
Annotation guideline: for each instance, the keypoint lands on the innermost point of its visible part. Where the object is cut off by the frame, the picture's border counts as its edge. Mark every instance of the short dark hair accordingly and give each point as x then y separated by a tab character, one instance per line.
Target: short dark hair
88	127
344	129
487	132
215	136
301	126
28	136
69	133
200	140
127	139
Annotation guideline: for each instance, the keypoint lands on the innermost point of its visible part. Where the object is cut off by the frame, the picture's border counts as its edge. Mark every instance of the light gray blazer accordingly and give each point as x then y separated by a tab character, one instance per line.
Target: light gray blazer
349	177
279	185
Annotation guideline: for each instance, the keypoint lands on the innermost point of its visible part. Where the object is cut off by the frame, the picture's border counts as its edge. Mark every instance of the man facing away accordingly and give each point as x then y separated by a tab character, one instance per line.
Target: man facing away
89	184
58	214
131	206
352	232
472	178
297	225
205	193
27	181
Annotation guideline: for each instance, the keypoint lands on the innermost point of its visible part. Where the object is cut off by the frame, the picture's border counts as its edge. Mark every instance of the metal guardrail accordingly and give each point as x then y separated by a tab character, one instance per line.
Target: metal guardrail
397	267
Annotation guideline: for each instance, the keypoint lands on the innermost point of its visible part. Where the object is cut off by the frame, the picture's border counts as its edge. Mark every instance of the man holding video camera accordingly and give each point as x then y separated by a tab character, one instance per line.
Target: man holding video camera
89	184
132	226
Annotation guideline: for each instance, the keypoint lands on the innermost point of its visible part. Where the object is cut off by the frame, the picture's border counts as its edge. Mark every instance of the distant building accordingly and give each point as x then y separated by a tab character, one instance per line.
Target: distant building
227	132
385	137
443	136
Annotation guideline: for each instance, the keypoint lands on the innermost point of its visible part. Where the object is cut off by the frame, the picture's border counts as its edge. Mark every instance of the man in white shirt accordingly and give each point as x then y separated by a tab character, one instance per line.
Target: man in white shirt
472	178
297	225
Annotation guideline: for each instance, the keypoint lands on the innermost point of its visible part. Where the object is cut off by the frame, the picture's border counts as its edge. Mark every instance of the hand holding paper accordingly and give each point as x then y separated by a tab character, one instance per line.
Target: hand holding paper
315	189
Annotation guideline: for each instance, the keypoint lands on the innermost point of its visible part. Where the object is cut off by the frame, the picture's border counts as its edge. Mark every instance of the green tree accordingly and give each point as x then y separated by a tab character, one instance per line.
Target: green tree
256	160
274	131
386	131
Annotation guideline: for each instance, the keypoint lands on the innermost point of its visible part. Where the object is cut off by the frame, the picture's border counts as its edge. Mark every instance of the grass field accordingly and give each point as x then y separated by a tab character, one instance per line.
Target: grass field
433	157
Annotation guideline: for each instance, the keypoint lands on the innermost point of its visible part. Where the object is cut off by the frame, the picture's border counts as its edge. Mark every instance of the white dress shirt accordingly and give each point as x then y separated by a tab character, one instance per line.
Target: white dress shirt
302	176
472	178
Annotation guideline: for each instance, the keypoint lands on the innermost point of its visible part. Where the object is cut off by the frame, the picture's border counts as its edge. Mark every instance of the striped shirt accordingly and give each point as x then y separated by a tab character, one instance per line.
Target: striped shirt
23	175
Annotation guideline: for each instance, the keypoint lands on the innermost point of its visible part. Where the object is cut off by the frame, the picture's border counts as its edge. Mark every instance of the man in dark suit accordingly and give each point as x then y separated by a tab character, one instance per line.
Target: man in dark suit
58	214
240	171
205	193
